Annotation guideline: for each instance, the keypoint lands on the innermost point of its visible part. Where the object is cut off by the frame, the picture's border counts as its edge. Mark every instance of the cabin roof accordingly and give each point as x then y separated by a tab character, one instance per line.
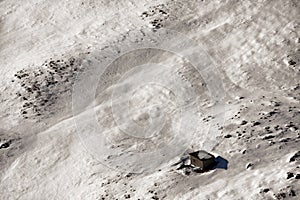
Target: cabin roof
202	155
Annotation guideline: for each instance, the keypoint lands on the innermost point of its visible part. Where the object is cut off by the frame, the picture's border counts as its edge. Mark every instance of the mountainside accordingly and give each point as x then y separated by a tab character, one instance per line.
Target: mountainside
98	99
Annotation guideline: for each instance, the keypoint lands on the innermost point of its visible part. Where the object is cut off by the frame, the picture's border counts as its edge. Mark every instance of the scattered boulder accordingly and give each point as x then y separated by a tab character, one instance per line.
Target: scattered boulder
249	165
239	97
267	137
228	136
155	197
285	193
256	123
244	122
289	175
275	104
295	157
285	140
156	15
5	144
41	86
265	190
292	62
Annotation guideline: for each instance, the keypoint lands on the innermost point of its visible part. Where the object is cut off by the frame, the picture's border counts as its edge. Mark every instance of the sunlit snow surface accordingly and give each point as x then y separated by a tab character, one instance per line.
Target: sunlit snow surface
99	98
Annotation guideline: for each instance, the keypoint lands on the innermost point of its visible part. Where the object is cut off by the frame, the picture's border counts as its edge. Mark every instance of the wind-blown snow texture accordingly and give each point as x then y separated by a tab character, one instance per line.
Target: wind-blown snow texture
49	49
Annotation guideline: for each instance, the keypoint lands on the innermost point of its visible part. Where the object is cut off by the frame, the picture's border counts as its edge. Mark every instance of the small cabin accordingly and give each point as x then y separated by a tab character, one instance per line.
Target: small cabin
202	159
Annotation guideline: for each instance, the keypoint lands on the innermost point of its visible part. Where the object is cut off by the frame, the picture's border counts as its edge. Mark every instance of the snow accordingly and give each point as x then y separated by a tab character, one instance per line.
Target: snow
99	98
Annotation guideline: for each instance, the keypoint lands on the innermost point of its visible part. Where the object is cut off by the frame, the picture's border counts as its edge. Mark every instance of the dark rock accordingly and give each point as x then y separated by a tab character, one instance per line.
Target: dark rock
244	122
268	137
275	104
187	172
277	128
292	193
5	145
280	195
265	190
295	157
291	62
42	81
249	165
272	113
256	123
285	193
289	175
289	125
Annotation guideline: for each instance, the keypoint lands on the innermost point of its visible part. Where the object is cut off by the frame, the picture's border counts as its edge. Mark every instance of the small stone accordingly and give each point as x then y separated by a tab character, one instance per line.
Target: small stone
5	145
249	165
289	175
265	190
291	62
292	193
272	113
285	140
267	137
155	198
244	122
187	172
275	104
128	175
239	98
277	128
255	123
295	157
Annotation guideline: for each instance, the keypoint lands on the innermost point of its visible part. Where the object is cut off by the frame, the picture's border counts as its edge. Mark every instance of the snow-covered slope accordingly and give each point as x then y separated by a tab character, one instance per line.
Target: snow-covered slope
99	98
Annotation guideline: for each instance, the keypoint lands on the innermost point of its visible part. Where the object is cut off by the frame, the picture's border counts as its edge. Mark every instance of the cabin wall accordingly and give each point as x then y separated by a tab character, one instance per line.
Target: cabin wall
207	164
196	162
